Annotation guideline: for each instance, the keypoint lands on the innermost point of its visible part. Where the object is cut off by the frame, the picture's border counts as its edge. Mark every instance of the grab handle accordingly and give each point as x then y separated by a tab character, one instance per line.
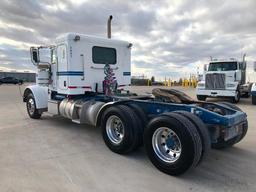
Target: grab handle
82	59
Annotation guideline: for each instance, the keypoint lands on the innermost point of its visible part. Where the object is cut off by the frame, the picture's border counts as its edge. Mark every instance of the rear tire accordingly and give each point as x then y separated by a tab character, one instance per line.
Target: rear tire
142	121
201	97
246	95
31	107
202	130
172	143
253	100
120	129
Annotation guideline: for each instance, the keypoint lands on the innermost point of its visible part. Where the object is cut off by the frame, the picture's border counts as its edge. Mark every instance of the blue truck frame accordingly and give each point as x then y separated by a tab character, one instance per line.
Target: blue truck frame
153	108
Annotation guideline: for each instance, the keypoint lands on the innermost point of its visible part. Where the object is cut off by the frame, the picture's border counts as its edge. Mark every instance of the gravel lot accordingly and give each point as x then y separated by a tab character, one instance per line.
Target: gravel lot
55	155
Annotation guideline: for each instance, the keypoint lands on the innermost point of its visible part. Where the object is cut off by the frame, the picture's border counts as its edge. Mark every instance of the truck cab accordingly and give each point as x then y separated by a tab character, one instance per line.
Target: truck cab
224	78
77	63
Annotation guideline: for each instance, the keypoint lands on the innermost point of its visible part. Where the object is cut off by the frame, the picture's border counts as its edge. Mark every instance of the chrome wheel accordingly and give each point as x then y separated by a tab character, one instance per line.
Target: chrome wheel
31	106
166	144
115	129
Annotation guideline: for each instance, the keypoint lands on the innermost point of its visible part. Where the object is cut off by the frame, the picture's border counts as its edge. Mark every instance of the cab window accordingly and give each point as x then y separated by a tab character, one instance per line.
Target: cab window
103	55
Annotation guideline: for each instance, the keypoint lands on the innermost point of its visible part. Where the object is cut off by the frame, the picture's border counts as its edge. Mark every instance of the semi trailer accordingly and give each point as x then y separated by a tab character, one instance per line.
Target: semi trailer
224	78
84	81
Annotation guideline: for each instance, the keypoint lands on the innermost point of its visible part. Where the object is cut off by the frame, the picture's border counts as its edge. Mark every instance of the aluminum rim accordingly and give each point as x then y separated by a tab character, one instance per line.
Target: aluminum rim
31	106
166	145
115	129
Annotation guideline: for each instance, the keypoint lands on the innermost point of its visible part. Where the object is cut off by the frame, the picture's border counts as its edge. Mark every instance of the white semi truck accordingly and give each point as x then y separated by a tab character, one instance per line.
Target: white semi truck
224	78
253	89
83	82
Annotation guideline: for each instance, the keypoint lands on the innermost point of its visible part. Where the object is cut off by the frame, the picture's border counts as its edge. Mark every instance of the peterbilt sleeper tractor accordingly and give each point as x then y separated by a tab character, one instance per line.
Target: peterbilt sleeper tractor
84	82
224	78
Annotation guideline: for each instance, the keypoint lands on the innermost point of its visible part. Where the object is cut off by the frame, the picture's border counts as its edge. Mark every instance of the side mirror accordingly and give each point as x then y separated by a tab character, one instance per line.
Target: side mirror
34	55
254	66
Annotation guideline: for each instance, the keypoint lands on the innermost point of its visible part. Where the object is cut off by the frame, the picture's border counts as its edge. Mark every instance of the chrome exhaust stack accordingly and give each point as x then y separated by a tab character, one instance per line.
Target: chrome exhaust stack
109	26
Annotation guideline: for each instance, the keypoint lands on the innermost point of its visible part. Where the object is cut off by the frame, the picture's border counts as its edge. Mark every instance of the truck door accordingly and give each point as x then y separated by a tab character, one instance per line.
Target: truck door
62	69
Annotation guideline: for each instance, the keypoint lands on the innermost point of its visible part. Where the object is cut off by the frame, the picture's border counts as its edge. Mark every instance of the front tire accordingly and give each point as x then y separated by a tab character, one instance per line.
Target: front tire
201	97
202	130
254	100
31	107
172	143
236	98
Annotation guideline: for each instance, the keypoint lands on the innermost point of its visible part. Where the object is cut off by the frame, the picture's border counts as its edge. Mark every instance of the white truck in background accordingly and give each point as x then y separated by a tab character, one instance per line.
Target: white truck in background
253	89
224	78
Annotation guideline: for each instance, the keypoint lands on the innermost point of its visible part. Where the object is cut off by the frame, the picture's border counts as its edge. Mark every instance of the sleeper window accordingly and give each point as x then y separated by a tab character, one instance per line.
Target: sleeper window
103	55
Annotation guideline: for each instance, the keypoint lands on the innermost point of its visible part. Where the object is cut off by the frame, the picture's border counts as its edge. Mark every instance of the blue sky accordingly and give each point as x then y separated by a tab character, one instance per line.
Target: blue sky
170	38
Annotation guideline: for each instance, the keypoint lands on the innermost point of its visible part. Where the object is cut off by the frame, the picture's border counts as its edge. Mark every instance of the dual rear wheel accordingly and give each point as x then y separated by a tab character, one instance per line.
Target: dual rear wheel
121	129
174	141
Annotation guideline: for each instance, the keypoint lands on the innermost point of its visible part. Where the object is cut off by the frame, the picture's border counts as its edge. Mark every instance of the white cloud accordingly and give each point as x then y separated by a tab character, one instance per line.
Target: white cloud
170	38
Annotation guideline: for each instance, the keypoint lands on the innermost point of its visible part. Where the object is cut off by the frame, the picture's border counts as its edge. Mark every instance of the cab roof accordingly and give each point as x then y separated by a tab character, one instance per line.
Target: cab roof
89	38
